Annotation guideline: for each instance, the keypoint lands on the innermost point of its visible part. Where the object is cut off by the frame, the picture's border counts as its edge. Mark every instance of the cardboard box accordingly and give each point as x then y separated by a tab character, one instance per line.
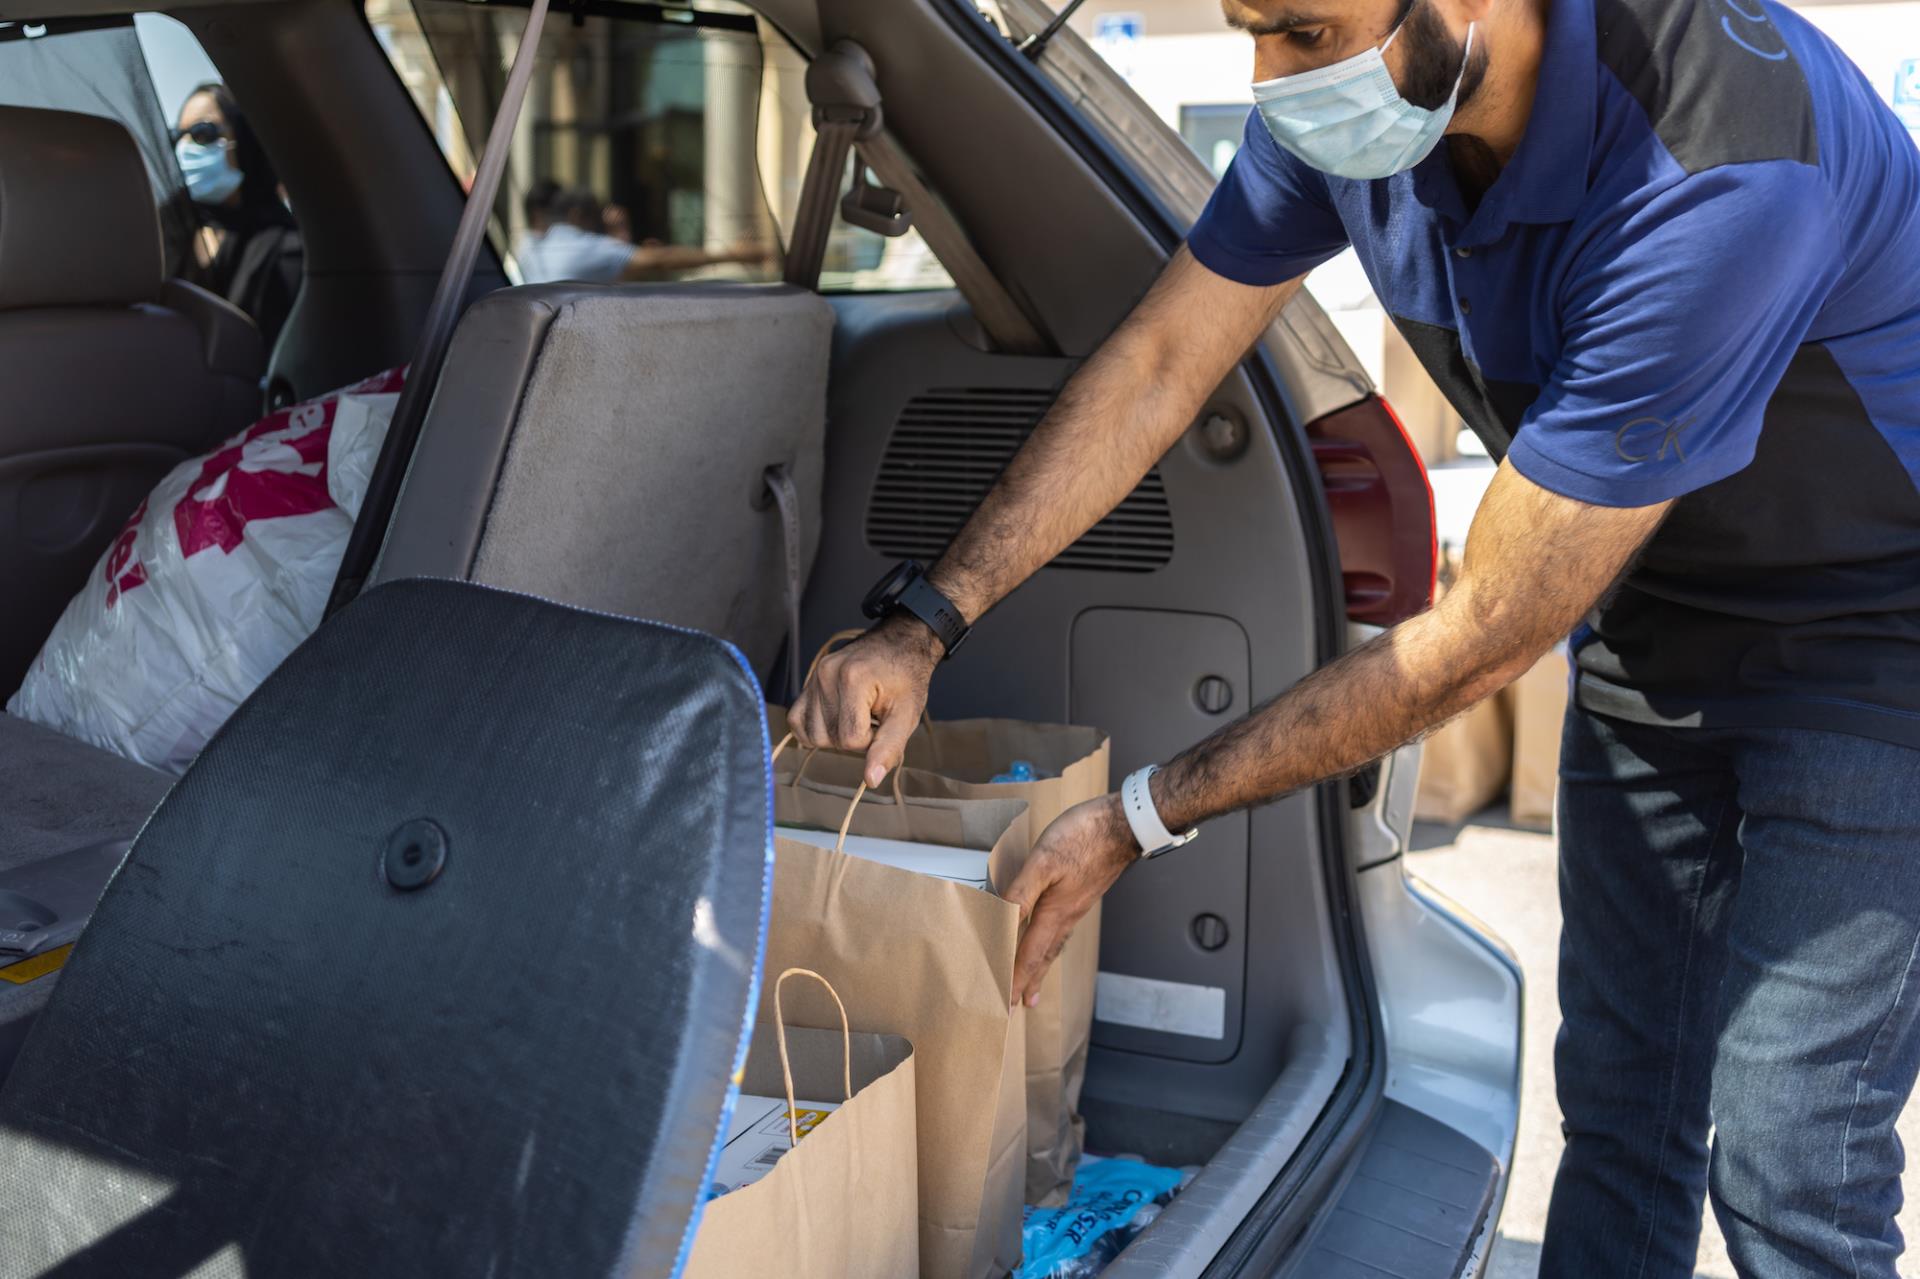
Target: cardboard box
1430	421
1465	764
1539	706
754	1147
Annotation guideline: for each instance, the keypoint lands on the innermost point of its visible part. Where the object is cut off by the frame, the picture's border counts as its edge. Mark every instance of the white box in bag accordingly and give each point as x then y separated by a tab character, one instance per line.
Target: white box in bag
753	1148
960	865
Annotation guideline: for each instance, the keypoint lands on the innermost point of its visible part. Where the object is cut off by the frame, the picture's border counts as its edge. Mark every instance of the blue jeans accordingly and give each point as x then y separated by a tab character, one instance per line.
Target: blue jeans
1742	910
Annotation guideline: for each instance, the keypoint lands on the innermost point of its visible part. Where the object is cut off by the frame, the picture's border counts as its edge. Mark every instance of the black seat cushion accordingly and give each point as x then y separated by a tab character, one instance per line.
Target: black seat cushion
266	1059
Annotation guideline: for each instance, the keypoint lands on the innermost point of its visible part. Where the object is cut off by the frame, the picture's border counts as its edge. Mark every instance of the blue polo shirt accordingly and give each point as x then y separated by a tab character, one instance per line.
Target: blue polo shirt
1698	278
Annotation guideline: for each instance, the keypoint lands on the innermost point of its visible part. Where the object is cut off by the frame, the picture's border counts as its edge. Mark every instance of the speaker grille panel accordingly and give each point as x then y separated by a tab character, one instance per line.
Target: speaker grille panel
945	452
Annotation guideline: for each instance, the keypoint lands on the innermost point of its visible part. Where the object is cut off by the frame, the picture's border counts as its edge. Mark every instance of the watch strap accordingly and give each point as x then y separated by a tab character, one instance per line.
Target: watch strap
922	599
1136	800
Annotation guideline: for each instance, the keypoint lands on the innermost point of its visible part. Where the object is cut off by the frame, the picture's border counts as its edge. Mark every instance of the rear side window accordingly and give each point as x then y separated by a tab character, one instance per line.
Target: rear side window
858	260
95	66
654	144
224	219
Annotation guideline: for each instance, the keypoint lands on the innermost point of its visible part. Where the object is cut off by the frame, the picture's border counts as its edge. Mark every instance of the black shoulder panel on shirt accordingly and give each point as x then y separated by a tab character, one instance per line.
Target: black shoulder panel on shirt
1715	77
1492	409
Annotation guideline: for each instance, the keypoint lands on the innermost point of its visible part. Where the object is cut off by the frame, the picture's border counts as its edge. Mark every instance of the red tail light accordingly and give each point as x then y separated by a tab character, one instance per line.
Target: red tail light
1382	507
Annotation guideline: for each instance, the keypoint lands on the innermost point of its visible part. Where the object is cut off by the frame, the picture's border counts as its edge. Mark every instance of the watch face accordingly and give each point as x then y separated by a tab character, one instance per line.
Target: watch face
887	590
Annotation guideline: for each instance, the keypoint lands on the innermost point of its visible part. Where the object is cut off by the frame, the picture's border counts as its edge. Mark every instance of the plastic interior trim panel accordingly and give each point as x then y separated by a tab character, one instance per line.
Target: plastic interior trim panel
890	349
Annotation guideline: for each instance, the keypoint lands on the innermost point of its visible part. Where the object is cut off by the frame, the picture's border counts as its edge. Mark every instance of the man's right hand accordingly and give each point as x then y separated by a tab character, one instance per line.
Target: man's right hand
869	695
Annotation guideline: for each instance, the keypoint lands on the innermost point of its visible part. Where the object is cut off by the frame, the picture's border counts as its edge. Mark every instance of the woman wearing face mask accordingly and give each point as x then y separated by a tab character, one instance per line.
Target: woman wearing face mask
249	250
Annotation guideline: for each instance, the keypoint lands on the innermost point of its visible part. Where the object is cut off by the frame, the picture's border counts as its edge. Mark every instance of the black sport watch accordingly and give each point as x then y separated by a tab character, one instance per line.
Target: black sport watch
906	587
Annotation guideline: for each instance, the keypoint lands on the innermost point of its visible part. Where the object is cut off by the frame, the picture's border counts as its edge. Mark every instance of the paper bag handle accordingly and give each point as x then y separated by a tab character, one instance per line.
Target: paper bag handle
780	1034
840	847
846	823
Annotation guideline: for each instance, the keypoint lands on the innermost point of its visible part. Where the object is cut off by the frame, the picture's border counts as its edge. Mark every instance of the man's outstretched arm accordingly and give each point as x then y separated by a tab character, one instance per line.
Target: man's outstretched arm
1114	419
1536	563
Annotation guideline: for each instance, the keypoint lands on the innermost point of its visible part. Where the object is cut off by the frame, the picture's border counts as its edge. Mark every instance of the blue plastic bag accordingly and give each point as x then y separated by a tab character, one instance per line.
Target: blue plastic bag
1078	1239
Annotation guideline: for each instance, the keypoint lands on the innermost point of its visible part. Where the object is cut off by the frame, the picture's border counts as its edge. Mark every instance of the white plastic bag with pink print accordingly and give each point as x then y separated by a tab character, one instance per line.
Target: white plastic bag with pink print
215	578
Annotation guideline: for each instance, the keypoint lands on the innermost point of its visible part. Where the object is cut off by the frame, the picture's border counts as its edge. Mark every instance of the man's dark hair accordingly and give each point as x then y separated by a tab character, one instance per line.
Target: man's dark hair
539	200
579	206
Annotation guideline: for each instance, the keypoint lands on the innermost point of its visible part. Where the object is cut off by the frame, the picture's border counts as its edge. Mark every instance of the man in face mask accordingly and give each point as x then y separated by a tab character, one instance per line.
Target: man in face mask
1664	258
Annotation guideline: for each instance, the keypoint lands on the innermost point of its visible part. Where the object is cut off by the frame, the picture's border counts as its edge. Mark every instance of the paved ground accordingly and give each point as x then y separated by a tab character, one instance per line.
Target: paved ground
1506	877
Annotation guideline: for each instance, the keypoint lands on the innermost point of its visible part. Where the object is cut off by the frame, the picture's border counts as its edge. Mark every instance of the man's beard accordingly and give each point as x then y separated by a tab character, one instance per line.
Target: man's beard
1433	61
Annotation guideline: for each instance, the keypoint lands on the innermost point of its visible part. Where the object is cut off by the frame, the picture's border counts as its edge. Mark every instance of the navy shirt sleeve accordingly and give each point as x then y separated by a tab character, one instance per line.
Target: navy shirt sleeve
1677	322
1270	218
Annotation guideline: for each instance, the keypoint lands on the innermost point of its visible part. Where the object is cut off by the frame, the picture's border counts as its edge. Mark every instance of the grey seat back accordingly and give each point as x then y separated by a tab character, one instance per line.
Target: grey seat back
401	980
607	446
112	374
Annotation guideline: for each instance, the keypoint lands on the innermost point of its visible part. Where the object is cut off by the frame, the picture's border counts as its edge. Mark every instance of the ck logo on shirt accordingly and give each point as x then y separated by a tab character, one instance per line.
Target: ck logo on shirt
1747	25
1649	439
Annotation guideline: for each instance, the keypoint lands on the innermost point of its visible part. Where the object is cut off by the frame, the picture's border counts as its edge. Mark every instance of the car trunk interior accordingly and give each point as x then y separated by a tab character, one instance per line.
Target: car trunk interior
1226	1010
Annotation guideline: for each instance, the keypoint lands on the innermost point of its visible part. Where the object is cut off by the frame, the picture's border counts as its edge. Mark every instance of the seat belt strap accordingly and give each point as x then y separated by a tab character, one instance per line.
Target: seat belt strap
846	109
430	355
787	497
847	113
819	197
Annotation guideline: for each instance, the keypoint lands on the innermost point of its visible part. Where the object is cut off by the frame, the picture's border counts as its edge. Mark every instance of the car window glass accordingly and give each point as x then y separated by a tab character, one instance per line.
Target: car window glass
633	156
857	260
246	246
654	144
150	74
95	66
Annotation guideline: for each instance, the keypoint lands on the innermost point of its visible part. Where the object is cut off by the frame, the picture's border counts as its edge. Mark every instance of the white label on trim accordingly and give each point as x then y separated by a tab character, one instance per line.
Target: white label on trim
1175	1007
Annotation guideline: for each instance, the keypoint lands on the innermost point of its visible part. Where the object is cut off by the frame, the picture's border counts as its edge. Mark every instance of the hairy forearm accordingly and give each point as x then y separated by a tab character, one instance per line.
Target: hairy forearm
1351	712
1535	564
650	259
1114	419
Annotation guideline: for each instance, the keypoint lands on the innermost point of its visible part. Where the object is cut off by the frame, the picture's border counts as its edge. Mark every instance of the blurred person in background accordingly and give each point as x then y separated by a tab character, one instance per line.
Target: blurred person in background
573	244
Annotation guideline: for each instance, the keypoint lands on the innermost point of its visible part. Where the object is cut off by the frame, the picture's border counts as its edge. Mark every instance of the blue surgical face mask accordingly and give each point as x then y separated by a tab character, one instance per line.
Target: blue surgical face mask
210	179
1348	119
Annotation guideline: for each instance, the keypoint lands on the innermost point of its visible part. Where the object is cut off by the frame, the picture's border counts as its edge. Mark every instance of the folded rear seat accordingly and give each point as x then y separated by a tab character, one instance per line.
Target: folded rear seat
601	446
606	446
58	794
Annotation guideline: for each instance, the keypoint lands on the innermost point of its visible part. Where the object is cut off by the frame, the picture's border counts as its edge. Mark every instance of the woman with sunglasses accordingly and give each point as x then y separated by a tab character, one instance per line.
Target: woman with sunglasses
249	249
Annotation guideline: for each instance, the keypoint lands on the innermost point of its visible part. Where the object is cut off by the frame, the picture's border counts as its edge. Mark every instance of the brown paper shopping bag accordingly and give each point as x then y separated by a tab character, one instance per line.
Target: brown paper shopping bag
956	759
933	961
842	1203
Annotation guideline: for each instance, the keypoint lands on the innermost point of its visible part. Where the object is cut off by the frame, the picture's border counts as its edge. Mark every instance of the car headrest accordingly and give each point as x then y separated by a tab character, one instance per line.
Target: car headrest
78	226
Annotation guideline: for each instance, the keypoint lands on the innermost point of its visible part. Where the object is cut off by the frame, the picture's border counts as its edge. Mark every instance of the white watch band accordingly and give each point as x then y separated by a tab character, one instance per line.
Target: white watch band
1148	830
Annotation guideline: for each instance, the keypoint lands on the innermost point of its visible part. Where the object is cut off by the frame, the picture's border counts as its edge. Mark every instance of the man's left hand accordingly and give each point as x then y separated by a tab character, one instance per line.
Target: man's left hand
1073	865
